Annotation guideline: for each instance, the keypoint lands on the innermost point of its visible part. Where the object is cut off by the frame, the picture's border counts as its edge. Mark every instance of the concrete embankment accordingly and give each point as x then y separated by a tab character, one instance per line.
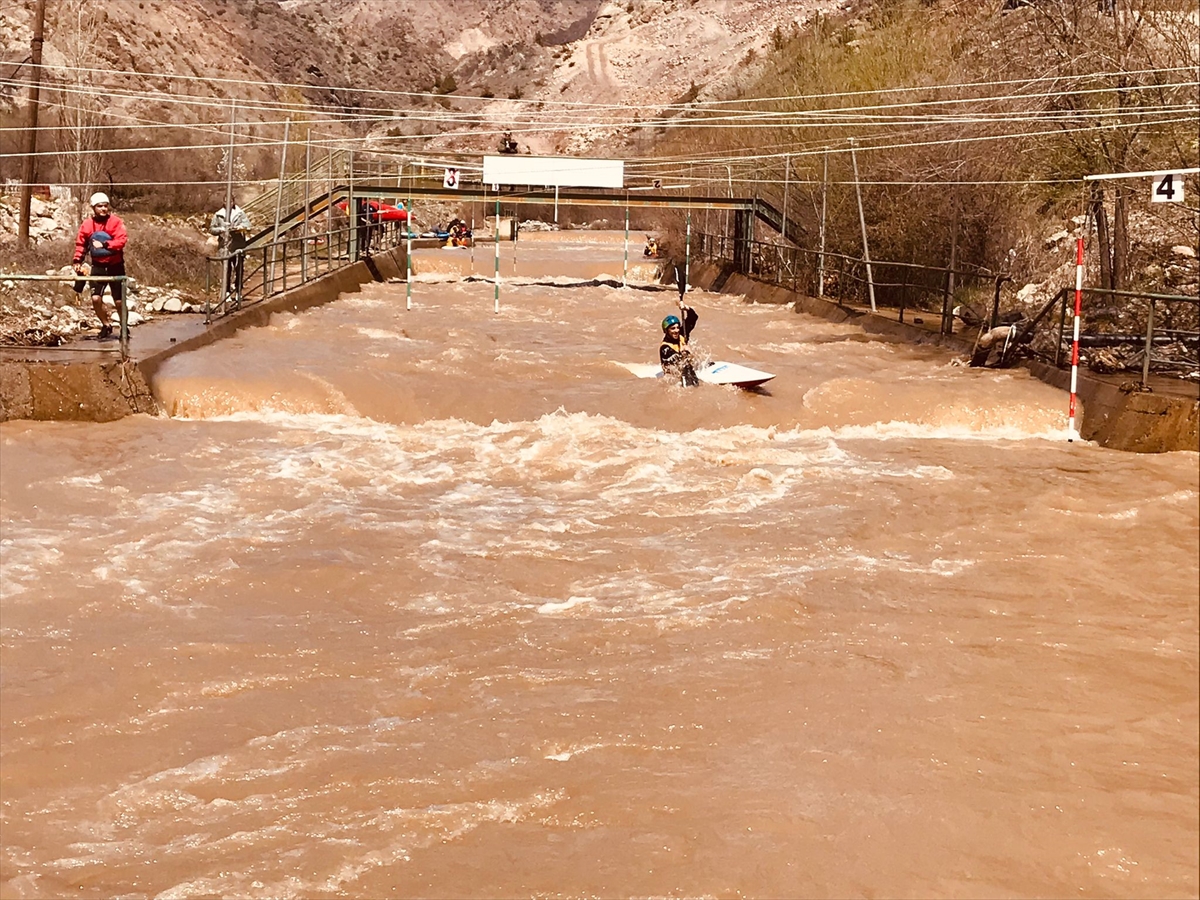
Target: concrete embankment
1165	419
84	381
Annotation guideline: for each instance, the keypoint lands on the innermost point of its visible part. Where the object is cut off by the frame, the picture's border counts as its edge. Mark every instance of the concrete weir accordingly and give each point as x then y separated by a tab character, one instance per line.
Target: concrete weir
1168	418
80	382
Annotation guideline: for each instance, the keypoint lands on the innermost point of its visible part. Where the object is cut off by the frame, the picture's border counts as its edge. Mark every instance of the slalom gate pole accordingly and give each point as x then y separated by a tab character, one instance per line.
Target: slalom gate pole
408	233
625	265
497	242
1071	432
687	249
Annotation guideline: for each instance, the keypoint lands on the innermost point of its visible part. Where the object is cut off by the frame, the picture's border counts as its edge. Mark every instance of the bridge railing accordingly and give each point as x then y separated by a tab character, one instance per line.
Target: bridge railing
1128	331
47	340
302	255
910	288
1123	330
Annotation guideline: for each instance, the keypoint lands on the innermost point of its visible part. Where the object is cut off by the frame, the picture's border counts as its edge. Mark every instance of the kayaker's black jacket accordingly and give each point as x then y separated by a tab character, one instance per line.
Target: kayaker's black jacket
668	349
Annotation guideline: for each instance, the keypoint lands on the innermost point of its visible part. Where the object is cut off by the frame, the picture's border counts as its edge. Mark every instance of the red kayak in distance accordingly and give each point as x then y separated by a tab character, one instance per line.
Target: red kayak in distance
380	211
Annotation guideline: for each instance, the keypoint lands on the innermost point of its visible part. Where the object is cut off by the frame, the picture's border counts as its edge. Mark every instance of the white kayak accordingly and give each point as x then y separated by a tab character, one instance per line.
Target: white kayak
713	373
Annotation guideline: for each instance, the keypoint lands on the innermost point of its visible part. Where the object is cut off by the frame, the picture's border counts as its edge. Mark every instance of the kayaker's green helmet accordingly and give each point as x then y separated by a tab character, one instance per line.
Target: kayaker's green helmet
669	321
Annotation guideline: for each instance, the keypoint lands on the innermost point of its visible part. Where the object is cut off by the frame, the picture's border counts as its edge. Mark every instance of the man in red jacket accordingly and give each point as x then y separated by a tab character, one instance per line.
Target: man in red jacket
102	236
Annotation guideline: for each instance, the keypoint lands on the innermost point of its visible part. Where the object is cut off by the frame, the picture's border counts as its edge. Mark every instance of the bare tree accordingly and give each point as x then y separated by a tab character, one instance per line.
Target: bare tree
81	106
1125	78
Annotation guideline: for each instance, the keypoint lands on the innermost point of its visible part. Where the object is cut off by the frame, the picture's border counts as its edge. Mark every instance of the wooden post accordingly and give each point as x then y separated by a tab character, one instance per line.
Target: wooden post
35	87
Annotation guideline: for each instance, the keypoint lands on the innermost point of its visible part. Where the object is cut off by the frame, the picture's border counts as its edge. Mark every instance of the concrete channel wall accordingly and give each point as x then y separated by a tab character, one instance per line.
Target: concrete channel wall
74	385
1133	421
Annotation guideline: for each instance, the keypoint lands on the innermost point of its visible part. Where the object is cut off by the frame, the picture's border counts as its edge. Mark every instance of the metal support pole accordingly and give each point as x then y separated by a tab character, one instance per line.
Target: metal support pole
497	243
329	219
862	221
1149	342
279	190
123	316
821	257
307	205
729	176
787	175
948	297
750	238
351	218
225	240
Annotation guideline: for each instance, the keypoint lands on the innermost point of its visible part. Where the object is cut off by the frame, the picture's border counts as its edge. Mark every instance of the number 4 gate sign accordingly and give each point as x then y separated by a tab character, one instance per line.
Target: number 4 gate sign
1167	188
450	179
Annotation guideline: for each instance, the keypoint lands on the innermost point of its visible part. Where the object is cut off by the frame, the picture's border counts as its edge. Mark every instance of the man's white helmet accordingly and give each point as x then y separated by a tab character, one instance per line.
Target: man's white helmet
99	198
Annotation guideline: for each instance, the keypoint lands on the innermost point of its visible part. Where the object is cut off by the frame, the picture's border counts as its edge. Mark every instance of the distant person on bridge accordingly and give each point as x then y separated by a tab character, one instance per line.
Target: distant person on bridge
102	237
231	227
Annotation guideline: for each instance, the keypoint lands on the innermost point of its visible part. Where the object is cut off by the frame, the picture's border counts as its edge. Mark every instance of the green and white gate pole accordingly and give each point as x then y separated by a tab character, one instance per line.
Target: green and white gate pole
625	270
497	242
408	232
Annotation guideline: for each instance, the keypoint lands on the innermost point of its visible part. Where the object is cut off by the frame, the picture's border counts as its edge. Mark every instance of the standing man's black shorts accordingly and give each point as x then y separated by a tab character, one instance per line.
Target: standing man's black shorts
117	287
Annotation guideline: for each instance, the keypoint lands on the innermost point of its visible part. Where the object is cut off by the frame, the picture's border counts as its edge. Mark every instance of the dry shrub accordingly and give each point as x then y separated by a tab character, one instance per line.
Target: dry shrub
164	251
986	162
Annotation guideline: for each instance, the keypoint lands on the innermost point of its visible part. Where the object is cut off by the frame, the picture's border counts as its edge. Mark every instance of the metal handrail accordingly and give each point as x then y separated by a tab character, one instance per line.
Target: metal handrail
786	265
122	307
269	268
805	267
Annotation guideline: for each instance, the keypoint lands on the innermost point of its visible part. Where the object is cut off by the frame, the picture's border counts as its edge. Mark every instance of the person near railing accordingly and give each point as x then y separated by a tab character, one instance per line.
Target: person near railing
101	236
231	228
368	221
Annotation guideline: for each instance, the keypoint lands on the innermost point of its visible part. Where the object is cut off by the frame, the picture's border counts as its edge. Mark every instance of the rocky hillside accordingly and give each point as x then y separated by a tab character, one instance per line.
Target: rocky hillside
497	62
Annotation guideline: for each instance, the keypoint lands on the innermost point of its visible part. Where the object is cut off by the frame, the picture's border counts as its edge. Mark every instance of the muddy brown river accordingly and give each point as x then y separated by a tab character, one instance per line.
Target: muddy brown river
444	602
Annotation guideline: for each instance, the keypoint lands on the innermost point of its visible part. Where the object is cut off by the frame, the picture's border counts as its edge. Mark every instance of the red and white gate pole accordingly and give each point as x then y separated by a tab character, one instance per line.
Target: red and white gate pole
1072	433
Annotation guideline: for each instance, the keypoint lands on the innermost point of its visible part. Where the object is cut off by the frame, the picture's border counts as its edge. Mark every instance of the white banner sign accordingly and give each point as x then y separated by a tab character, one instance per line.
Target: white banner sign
1167	188
450	179
553	171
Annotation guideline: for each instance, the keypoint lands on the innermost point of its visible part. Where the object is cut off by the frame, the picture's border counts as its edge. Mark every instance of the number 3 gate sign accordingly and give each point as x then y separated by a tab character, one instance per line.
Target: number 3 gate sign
450	179
1167	188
